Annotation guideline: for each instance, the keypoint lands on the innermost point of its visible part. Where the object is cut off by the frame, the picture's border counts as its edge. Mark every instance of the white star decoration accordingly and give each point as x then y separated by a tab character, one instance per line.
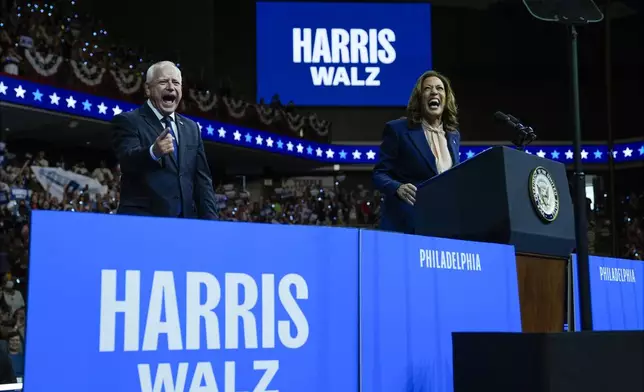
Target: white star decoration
329	153
71	102
20	92
24	92
299	148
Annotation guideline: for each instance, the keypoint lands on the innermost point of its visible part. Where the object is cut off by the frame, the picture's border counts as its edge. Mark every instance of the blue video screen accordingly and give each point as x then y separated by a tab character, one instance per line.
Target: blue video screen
342	54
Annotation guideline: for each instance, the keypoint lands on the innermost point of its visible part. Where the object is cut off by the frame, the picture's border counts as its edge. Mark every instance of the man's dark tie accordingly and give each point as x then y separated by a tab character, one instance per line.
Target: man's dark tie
168	123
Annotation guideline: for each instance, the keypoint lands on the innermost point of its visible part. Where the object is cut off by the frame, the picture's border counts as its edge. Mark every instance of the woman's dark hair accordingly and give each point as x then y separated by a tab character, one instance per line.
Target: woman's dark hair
414	107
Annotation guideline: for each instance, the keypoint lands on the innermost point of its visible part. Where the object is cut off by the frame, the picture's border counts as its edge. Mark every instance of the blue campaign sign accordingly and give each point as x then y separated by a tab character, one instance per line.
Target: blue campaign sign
152	304
415	291
342	54
616	293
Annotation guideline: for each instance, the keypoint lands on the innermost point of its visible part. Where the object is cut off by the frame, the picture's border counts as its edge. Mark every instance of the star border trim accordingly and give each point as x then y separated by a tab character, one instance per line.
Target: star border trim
31	94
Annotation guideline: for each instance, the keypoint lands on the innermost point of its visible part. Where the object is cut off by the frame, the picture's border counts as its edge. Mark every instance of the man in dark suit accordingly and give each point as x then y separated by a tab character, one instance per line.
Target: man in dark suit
416	148
164	171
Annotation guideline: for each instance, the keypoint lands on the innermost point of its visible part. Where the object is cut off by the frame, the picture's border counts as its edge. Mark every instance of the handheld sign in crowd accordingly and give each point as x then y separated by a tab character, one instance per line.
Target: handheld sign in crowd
616	293
120	303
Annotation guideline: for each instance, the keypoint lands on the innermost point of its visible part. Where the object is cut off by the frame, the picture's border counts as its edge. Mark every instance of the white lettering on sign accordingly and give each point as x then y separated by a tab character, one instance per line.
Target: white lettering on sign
202	377
440	259
347	48
204	299
207	309
623	275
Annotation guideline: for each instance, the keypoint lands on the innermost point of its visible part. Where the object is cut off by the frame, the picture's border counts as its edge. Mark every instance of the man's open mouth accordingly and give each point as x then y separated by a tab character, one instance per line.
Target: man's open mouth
434	103
169	98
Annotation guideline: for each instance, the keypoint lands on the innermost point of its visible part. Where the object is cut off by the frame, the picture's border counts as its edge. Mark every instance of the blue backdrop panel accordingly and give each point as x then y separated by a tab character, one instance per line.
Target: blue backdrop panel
415	291
244	306
616	291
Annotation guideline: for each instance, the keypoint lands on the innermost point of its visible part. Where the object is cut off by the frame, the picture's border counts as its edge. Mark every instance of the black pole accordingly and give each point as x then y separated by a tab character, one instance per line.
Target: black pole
612	193
581	224
570	298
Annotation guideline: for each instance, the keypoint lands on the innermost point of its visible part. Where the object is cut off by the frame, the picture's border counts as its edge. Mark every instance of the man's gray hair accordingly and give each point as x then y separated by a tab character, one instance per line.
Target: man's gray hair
149	75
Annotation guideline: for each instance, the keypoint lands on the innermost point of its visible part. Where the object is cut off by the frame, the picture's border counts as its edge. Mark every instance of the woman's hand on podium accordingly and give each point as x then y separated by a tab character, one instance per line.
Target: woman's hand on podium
407	192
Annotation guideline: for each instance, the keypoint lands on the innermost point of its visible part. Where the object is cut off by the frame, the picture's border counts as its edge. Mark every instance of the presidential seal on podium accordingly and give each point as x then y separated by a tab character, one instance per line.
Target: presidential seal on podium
544	194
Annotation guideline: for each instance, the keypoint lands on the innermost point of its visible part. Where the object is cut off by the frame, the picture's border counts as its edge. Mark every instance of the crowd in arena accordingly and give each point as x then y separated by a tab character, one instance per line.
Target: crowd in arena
634	227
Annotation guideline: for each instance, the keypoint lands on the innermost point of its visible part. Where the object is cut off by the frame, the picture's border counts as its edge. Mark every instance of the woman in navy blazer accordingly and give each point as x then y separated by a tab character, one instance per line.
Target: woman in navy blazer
416	148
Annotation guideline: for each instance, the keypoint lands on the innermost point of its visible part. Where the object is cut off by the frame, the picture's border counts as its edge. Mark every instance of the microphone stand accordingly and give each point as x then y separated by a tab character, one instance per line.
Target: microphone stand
520	143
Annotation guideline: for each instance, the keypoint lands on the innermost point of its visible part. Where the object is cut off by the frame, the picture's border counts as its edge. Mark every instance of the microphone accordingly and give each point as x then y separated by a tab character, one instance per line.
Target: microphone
504	118
516	121
526	134
530	135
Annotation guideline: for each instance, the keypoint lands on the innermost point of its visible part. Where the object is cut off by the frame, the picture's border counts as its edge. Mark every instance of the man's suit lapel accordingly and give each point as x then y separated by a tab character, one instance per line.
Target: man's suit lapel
154	123
182	130
417	136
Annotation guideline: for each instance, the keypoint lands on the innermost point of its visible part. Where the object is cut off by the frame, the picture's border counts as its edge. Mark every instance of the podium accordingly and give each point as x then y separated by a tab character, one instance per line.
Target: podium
507	196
